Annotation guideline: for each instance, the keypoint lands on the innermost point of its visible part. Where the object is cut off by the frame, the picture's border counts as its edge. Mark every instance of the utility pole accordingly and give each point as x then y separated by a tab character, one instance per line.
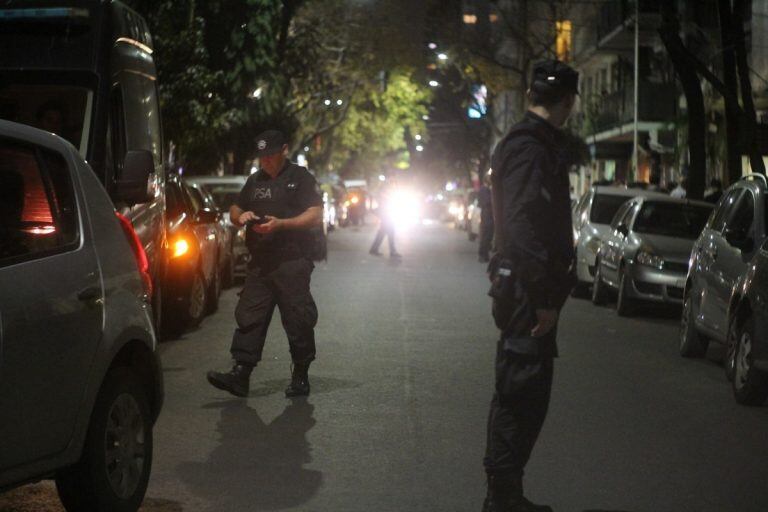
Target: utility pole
637	95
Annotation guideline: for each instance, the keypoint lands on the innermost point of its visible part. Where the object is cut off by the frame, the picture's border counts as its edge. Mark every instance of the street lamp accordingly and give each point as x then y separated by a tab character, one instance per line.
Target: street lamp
327	103
339	102
419	148
256	94
425	117
417	137
434	83
442	56
432	46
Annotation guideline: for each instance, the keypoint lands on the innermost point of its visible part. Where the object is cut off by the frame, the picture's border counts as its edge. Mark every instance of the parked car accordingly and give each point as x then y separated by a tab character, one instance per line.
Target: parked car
192	281
592	217
720	258
748	333
644	257
87	73
225	190
224	234
80	381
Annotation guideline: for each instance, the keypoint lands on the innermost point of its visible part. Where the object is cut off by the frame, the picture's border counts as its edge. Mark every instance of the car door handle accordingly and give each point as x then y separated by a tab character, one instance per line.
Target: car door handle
90	293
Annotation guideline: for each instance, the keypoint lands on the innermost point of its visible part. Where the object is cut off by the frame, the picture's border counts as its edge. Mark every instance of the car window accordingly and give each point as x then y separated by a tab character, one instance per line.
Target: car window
605	206
38	212
620	214
679	220
174	202
626	218
194	198
724	208
744	214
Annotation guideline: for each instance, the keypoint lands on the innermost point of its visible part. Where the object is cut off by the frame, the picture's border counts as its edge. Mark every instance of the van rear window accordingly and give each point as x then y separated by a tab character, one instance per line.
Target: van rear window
61	109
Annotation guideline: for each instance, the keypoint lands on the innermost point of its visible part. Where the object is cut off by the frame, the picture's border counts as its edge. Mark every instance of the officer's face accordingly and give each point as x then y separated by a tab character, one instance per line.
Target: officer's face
274	162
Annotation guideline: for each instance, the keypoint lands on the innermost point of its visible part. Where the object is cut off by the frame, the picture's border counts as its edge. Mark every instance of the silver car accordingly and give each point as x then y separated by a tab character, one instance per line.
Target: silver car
80	381
645	255
592	217
225	190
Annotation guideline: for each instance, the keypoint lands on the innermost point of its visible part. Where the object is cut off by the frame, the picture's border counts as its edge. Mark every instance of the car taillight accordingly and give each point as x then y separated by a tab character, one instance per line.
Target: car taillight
142	262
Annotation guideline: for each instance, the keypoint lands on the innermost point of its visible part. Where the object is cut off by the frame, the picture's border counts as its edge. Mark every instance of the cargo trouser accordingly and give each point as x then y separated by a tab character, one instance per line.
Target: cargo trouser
287	287
524	369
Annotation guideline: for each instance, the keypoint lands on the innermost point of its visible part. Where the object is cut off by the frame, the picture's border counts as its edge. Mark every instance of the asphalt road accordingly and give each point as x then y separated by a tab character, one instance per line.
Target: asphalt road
400	394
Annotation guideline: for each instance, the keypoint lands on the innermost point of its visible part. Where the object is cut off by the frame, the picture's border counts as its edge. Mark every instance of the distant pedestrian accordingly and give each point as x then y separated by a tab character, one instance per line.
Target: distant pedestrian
681	190
386	222
279	204
532	275
486	221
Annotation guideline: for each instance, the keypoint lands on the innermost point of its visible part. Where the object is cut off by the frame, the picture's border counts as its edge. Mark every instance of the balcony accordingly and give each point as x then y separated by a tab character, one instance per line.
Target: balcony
615	22
657	103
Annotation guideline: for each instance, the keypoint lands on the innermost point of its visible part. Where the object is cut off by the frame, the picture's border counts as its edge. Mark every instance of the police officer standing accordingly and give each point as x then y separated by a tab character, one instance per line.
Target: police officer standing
280	204
531	276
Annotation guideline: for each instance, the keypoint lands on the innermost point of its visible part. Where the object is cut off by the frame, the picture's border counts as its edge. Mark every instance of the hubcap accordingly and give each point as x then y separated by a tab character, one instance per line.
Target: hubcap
125	449
743	359
730	357
197	298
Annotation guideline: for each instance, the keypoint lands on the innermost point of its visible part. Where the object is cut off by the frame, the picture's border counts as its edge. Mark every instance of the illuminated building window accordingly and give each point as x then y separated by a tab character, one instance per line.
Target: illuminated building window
564	40
470	19
493	18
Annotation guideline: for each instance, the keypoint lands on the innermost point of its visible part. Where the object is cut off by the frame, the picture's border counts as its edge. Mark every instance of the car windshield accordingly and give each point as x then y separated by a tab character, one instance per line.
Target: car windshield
605	206
672	219
61	109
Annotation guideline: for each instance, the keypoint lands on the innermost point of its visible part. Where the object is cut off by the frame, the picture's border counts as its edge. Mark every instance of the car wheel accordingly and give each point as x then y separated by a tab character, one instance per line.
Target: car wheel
624	304
213	292
750	385
196	303
114	468
729	361
692	344
599	291
228	275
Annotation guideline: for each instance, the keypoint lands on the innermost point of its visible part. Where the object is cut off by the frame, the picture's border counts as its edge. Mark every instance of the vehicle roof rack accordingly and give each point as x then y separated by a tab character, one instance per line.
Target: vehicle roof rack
755	175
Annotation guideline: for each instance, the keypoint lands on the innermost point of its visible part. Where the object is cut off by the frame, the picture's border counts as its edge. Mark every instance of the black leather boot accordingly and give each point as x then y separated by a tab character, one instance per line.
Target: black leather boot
299	385
505	494
235	381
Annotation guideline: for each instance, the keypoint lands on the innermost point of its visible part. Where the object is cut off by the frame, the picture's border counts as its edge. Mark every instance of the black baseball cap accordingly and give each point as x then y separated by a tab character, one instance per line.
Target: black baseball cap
556	76
270	142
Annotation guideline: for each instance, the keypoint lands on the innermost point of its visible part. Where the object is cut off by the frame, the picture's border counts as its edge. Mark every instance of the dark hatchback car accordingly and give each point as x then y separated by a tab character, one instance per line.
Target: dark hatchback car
193	277
748	340
719	261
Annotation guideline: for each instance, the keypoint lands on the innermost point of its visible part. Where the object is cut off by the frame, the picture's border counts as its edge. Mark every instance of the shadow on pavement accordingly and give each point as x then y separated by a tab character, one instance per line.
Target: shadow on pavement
257	465
42	497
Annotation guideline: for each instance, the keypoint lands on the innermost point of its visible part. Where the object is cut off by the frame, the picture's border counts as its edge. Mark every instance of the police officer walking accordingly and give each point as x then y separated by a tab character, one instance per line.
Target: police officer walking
531	276
280	204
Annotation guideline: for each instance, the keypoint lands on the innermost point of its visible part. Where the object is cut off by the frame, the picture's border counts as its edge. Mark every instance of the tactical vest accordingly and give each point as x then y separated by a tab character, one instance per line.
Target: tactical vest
277	197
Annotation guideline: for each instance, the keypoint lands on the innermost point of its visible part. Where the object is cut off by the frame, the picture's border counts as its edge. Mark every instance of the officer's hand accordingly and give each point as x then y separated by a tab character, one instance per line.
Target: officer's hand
546	320
273	224
246	216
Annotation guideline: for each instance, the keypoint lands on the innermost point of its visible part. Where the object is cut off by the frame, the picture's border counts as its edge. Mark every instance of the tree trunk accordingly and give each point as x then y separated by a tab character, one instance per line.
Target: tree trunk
732	118
750	118
686	73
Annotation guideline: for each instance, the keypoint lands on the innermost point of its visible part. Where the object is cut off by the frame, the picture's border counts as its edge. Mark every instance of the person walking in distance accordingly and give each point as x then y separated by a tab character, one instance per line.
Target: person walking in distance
532	274
386	223
279	204
486	220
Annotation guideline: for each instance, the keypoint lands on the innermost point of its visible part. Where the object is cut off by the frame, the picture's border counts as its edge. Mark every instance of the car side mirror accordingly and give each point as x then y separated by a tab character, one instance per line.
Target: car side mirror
133	184
739	239
624	230
207	216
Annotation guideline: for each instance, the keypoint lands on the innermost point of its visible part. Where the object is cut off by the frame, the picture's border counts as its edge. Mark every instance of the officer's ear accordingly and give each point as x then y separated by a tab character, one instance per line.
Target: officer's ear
285	149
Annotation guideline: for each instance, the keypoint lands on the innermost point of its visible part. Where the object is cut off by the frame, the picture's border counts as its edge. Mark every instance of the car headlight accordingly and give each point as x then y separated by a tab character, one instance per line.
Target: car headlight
650	260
